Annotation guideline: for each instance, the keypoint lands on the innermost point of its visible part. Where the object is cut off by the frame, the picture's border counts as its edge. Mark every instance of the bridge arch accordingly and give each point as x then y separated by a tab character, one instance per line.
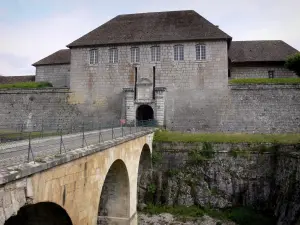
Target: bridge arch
33	214
144	173
114	202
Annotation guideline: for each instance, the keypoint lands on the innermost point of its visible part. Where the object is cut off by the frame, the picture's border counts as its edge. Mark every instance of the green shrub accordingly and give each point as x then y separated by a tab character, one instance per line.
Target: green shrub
179	211
26	85
265	81
293	63
156	157
172	172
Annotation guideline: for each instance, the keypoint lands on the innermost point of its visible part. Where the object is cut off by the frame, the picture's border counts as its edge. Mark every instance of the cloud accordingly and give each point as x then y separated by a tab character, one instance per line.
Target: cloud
41	34
37	39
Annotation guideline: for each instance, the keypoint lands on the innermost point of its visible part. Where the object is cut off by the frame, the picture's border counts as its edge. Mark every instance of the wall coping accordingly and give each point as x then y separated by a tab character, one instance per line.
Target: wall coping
262	86
34	90
24	170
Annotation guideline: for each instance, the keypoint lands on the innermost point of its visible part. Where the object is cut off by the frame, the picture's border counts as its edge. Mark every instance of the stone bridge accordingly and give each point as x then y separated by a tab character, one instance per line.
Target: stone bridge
94	184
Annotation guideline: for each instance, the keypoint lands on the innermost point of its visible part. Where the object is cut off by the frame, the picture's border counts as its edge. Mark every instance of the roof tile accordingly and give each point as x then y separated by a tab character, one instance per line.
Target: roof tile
152	27
260	51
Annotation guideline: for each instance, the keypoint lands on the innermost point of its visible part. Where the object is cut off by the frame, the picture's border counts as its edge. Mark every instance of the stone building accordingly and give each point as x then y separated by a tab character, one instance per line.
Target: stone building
259	59
158	66
55	68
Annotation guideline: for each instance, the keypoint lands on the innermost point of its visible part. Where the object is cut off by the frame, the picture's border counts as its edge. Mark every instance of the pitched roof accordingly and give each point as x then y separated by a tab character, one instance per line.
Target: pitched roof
62	56
260	51
15	79
152	27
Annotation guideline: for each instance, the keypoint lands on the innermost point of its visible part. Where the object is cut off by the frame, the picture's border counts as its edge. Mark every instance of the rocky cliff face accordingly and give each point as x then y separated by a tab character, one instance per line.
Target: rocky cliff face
225	175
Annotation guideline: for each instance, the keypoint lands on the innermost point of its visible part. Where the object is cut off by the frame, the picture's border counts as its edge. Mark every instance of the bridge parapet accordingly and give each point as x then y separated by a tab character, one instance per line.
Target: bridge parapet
65	179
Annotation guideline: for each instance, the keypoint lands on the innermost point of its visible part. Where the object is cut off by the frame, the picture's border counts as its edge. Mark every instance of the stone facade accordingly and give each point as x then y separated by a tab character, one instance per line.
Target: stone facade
260	72
102	84
58	75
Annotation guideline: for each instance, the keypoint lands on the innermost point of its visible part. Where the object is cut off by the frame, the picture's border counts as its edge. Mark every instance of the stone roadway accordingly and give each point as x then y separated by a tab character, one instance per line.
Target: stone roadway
14	153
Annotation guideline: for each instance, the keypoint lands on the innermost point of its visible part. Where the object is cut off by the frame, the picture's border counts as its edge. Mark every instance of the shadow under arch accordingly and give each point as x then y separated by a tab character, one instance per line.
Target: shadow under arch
114	205
144	174
42	213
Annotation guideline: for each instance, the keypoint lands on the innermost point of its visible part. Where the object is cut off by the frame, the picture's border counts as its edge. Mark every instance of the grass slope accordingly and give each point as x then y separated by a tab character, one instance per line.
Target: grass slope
26	85
265	81
168	136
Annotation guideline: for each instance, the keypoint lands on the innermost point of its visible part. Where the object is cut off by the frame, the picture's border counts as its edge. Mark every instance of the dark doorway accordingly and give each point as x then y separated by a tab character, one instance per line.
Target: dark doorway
144	112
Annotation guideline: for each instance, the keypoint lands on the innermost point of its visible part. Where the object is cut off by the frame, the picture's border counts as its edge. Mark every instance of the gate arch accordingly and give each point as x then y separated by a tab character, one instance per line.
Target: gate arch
144	112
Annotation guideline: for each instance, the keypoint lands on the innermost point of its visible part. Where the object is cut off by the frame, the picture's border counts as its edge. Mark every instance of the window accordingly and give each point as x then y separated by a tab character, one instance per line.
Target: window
200	52
178	52
155	53
93	56
135	55
113	55
271	73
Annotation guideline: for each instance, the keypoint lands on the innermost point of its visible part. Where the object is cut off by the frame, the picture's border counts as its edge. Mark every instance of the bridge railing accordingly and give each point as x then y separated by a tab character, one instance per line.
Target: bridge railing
30	144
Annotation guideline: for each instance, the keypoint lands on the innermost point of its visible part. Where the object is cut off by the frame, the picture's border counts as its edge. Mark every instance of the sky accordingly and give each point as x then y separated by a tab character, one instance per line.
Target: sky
33	29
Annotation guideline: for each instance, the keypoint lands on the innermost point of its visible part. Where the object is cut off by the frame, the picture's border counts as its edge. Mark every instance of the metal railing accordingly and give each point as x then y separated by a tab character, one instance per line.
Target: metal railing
24	145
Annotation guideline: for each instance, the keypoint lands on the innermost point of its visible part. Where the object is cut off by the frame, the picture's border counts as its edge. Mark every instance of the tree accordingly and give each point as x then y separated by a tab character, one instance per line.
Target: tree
293	63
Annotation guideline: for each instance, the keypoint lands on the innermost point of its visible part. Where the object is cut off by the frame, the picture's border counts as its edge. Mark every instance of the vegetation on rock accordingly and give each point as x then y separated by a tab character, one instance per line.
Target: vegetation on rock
240	215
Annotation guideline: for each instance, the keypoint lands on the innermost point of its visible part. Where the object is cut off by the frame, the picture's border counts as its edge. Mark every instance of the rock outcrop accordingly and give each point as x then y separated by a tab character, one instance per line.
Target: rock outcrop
266	177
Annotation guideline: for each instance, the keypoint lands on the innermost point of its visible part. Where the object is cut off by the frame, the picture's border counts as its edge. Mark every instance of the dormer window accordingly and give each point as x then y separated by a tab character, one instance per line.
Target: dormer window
94	56
135	54
178	53
200	52
113	55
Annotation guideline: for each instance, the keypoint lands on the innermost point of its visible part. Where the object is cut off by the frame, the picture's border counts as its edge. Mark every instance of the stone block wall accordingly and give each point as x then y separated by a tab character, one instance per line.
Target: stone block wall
240	108
58	75
32	108
103	84
261	72
13	196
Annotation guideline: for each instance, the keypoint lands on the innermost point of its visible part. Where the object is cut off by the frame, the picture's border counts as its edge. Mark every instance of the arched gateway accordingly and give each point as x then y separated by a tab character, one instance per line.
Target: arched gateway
144	112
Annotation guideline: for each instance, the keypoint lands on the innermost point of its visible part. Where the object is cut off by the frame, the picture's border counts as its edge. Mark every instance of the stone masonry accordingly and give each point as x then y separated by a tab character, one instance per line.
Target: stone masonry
32	108
102	84
260	72
58	75
241	108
